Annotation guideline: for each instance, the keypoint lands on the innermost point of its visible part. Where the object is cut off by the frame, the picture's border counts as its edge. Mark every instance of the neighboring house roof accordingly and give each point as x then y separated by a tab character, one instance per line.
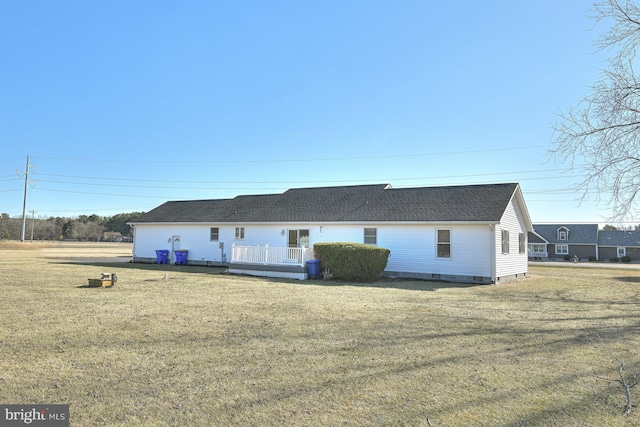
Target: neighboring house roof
578	234
361	203
534	237
619	238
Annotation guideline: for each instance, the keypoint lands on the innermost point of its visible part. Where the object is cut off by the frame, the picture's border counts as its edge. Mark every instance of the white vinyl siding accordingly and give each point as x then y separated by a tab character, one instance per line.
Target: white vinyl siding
513	262
413	246
194	238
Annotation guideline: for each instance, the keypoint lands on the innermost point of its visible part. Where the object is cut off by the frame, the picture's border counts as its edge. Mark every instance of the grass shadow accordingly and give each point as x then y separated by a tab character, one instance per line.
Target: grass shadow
92	287
383	283
404	284
628	279
108	266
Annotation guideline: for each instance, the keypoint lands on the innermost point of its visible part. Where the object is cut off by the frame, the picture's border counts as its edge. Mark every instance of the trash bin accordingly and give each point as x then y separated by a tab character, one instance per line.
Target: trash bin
313	268
161	256
181	257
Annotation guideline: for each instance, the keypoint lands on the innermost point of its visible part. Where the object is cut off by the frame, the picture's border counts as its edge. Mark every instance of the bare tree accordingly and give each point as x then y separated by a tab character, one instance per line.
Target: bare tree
601	133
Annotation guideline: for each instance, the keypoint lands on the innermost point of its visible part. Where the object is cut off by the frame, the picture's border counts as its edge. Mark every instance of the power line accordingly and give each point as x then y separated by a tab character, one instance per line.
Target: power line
391	180
314	159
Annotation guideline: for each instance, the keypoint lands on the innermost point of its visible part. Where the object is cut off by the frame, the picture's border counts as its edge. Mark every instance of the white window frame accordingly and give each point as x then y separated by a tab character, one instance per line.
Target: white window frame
621	251
299	238
562	252
541	246
216	234
522	243
505	242
370	236
239	233
443	243
563	234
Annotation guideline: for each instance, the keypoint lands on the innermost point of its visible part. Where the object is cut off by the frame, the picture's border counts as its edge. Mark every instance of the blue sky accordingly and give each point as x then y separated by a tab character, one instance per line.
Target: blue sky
122	106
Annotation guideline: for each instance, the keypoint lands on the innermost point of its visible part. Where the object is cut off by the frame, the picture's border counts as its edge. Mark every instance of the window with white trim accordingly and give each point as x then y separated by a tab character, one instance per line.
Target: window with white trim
522	243
239	233
214	234
371	236
299	238
443	237
563	233
562	249
622	252
538	248
505	241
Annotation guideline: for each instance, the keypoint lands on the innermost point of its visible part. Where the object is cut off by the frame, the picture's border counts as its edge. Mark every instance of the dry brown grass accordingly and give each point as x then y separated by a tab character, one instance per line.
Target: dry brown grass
202	348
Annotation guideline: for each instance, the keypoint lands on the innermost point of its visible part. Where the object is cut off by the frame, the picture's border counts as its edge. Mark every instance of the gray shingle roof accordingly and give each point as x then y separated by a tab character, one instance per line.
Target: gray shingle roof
361	203
619	238
578	233
534	237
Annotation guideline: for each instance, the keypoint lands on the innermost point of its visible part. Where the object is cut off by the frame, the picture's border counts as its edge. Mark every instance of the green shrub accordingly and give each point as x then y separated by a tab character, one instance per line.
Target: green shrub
626	259
592	258
614	259
567	257
352	262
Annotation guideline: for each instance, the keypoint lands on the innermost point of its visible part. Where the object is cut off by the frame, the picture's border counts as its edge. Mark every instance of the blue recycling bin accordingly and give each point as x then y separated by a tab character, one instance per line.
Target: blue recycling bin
181	257
313	268
161	256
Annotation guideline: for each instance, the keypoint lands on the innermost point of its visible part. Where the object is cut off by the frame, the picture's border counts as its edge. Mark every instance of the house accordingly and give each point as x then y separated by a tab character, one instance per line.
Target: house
557	241
537	246
473	233
112	236
617	244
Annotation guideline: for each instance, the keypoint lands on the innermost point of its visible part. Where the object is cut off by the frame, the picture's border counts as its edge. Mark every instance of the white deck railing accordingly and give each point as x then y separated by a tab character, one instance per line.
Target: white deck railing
265	255
533	254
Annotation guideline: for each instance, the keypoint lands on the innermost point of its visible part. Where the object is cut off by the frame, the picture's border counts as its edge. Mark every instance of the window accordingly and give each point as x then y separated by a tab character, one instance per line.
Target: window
522	243
505	241
370	236
538	248
563	233
298	238
562	249
622	252
214	234
239	233
444	243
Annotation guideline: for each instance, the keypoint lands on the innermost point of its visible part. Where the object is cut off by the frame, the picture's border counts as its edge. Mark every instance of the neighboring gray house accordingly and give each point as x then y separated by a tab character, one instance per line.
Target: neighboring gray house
562	240
472	233
619	244
537	246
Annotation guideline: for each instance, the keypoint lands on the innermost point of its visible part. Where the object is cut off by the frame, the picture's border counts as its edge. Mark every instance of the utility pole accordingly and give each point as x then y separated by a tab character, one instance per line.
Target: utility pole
33	220
24	203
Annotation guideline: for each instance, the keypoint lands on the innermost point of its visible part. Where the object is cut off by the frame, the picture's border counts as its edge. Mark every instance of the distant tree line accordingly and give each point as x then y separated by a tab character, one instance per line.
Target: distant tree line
621	228
92	228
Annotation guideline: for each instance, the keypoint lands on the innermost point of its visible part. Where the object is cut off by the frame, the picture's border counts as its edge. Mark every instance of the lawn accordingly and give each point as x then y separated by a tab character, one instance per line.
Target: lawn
190	346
